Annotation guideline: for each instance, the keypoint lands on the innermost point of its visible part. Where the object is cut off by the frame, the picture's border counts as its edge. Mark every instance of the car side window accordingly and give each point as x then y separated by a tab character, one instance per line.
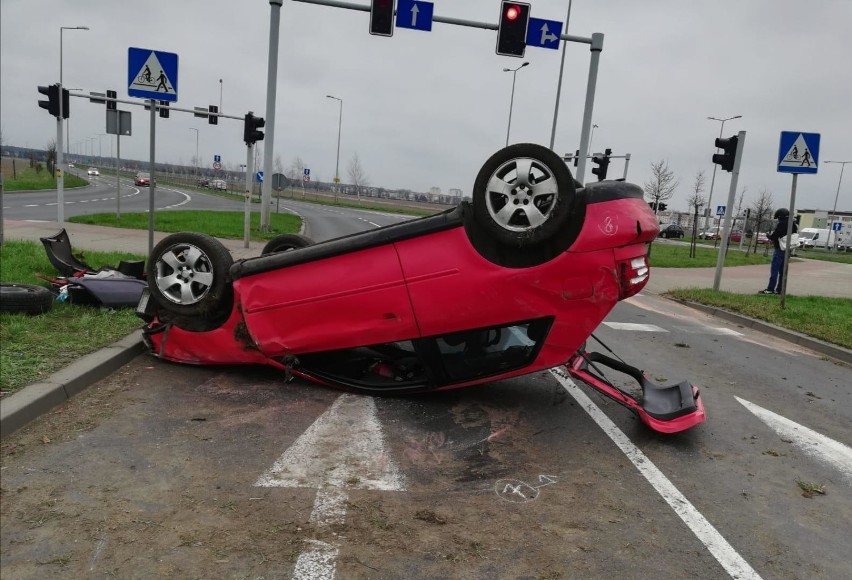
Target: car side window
493	350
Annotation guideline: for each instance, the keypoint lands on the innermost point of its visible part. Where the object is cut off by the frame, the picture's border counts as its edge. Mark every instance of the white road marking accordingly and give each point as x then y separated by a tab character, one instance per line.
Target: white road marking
731	561
636	327
708	330
318	459
342	449
828	451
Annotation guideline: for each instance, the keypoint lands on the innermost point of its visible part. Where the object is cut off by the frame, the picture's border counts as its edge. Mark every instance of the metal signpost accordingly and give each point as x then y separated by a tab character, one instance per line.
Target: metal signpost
797	153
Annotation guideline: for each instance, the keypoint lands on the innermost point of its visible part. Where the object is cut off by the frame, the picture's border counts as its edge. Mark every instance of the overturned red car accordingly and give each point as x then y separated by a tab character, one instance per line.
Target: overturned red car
508	284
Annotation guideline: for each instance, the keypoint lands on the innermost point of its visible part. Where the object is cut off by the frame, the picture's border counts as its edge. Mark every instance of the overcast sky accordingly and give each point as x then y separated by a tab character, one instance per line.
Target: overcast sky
424	109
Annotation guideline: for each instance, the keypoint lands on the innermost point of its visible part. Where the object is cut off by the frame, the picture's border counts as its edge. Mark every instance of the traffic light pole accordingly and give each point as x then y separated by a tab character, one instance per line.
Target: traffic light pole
729	208
247	207
59	171
596	42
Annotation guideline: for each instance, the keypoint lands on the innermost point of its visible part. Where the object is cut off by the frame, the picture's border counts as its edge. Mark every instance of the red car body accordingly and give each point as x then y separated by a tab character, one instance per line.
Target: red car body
433	297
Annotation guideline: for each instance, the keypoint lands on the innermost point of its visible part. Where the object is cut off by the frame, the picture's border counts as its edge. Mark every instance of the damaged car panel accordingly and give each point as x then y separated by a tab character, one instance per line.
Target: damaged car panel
508	284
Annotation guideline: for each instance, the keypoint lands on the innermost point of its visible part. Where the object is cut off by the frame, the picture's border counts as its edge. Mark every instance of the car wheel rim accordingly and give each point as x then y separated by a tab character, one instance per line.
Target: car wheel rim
184	274
521	194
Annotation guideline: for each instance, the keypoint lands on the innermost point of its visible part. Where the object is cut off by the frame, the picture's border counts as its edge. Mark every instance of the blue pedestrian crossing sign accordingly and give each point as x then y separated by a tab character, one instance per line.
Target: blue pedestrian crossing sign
798	152
414	14
152	74
720	209
544	33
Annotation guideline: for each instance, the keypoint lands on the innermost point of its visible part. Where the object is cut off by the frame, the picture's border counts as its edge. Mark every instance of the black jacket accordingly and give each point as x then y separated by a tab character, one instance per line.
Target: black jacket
780	231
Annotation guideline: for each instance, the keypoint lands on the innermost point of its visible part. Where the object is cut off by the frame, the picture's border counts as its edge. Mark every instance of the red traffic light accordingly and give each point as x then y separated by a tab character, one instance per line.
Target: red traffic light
512	12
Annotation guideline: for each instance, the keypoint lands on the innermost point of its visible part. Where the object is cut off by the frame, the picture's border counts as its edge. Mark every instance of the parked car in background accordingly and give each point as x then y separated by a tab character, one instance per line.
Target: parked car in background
736	236
94	171
813	237
708	234
142	179
218	184
202	182
762	238
672	231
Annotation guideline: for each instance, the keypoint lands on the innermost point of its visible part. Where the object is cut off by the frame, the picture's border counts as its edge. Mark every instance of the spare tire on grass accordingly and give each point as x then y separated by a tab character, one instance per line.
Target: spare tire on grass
25	298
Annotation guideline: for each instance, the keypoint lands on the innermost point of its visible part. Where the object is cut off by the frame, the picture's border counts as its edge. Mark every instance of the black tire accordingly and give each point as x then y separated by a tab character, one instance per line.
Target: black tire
25	299
542	195
286	242
188	275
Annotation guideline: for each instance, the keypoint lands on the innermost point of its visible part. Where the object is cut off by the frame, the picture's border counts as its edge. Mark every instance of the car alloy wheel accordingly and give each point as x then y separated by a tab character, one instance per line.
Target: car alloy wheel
189	275
523	194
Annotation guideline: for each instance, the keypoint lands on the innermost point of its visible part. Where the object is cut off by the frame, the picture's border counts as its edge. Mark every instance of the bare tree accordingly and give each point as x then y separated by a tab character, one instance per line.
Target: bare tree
296	169
762	210
278	164
696	201
51	156
357	175
662	184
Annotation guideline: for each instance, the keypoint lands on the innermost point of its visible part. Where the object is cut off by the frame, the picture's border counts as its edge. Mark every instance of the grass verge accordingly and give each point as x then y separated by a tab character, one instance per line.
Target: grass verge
33	347
677	256
828	319
220	224
27	179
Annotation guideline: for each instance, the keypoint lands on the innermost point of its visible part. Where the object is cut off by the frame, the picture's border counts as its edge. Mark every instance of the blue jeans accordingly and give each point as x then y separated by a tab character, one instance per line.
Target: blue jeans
775	271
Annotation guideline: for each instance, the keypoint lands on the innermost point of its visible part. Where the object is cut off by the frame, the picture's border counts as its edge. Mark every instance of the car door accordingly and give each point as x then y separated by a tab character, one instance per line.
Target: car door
342	301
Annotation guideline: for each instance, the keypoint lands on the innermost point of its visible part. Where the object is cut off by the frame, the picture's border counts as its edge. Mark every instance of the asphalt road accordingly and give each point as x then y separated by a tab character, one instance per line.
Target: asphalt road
518	471
171	470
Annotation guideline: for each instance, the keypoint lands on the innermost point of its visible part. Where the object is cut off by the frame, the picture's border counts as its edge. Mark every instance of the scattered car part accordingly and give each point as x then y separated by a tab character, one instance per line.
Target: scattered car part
25	298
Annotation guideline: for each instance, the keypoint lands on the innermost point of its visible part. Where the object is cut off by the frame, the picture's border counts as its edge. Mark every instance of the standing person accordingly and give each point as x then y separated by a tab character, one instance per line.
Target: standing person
780	231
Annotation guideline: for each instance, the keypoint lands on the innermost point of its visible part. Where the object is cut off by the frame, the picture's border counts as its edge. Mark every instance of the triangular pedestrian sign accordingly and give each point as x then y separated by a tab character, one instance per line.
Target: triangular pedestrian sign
152	74
798	155
798	152
151	77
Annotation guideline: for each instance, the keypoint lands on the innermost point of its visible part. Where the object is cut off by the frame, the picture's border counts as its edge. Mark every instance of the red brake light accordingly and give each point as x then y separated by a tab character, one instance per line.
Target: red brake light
634	275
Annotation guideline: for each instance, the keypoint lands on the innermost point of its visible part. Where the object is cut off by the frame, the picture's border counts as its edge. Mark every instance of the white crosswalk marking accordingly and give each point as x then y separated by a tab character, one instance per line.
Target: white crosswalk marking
635	327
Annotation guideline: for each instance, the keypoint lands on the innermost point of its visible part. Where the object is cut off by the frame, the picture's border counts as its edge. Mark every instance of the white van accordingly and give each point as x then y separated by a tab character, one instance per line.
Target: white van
813	237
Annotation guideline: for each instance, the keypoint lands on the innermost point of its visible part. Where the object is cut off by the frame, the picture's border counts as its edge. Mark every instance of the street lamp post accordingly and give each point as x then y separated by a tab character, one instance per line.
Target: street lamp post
196	151
60	177
591	137
337	162
220	95
713	179
836	195
514	72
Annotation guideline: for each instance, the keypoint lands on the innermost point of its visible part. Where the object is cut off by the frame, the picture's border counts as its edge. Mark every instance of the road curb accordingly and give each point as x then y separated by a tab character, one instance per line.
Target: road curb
820	346
32	401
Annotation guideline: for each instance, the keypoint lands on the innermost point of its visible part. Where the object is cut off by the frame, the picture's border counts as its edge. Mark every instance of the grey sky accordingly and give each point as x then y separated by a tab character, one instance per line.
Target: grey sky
426	109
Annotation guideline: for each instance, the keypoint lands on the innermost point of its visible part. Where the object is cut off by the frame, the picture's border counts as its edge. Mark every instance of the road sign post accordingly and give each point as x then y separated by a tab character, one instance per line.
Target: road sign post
798	152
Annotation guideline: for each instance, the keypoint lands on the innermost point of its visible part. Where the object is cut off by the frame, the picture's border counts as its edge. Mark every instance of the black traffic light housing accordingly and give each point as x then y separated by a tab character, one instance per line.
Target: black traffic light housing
111	105
252	129
213	119
52	103
164	109
381	17
603	164
726	159
576	157
512	28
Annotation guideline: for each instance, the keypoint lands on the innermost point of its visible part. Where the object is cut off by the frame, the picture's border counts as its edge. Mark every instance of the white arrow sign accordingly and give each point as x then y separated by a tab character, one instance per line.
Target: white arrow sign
546	36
